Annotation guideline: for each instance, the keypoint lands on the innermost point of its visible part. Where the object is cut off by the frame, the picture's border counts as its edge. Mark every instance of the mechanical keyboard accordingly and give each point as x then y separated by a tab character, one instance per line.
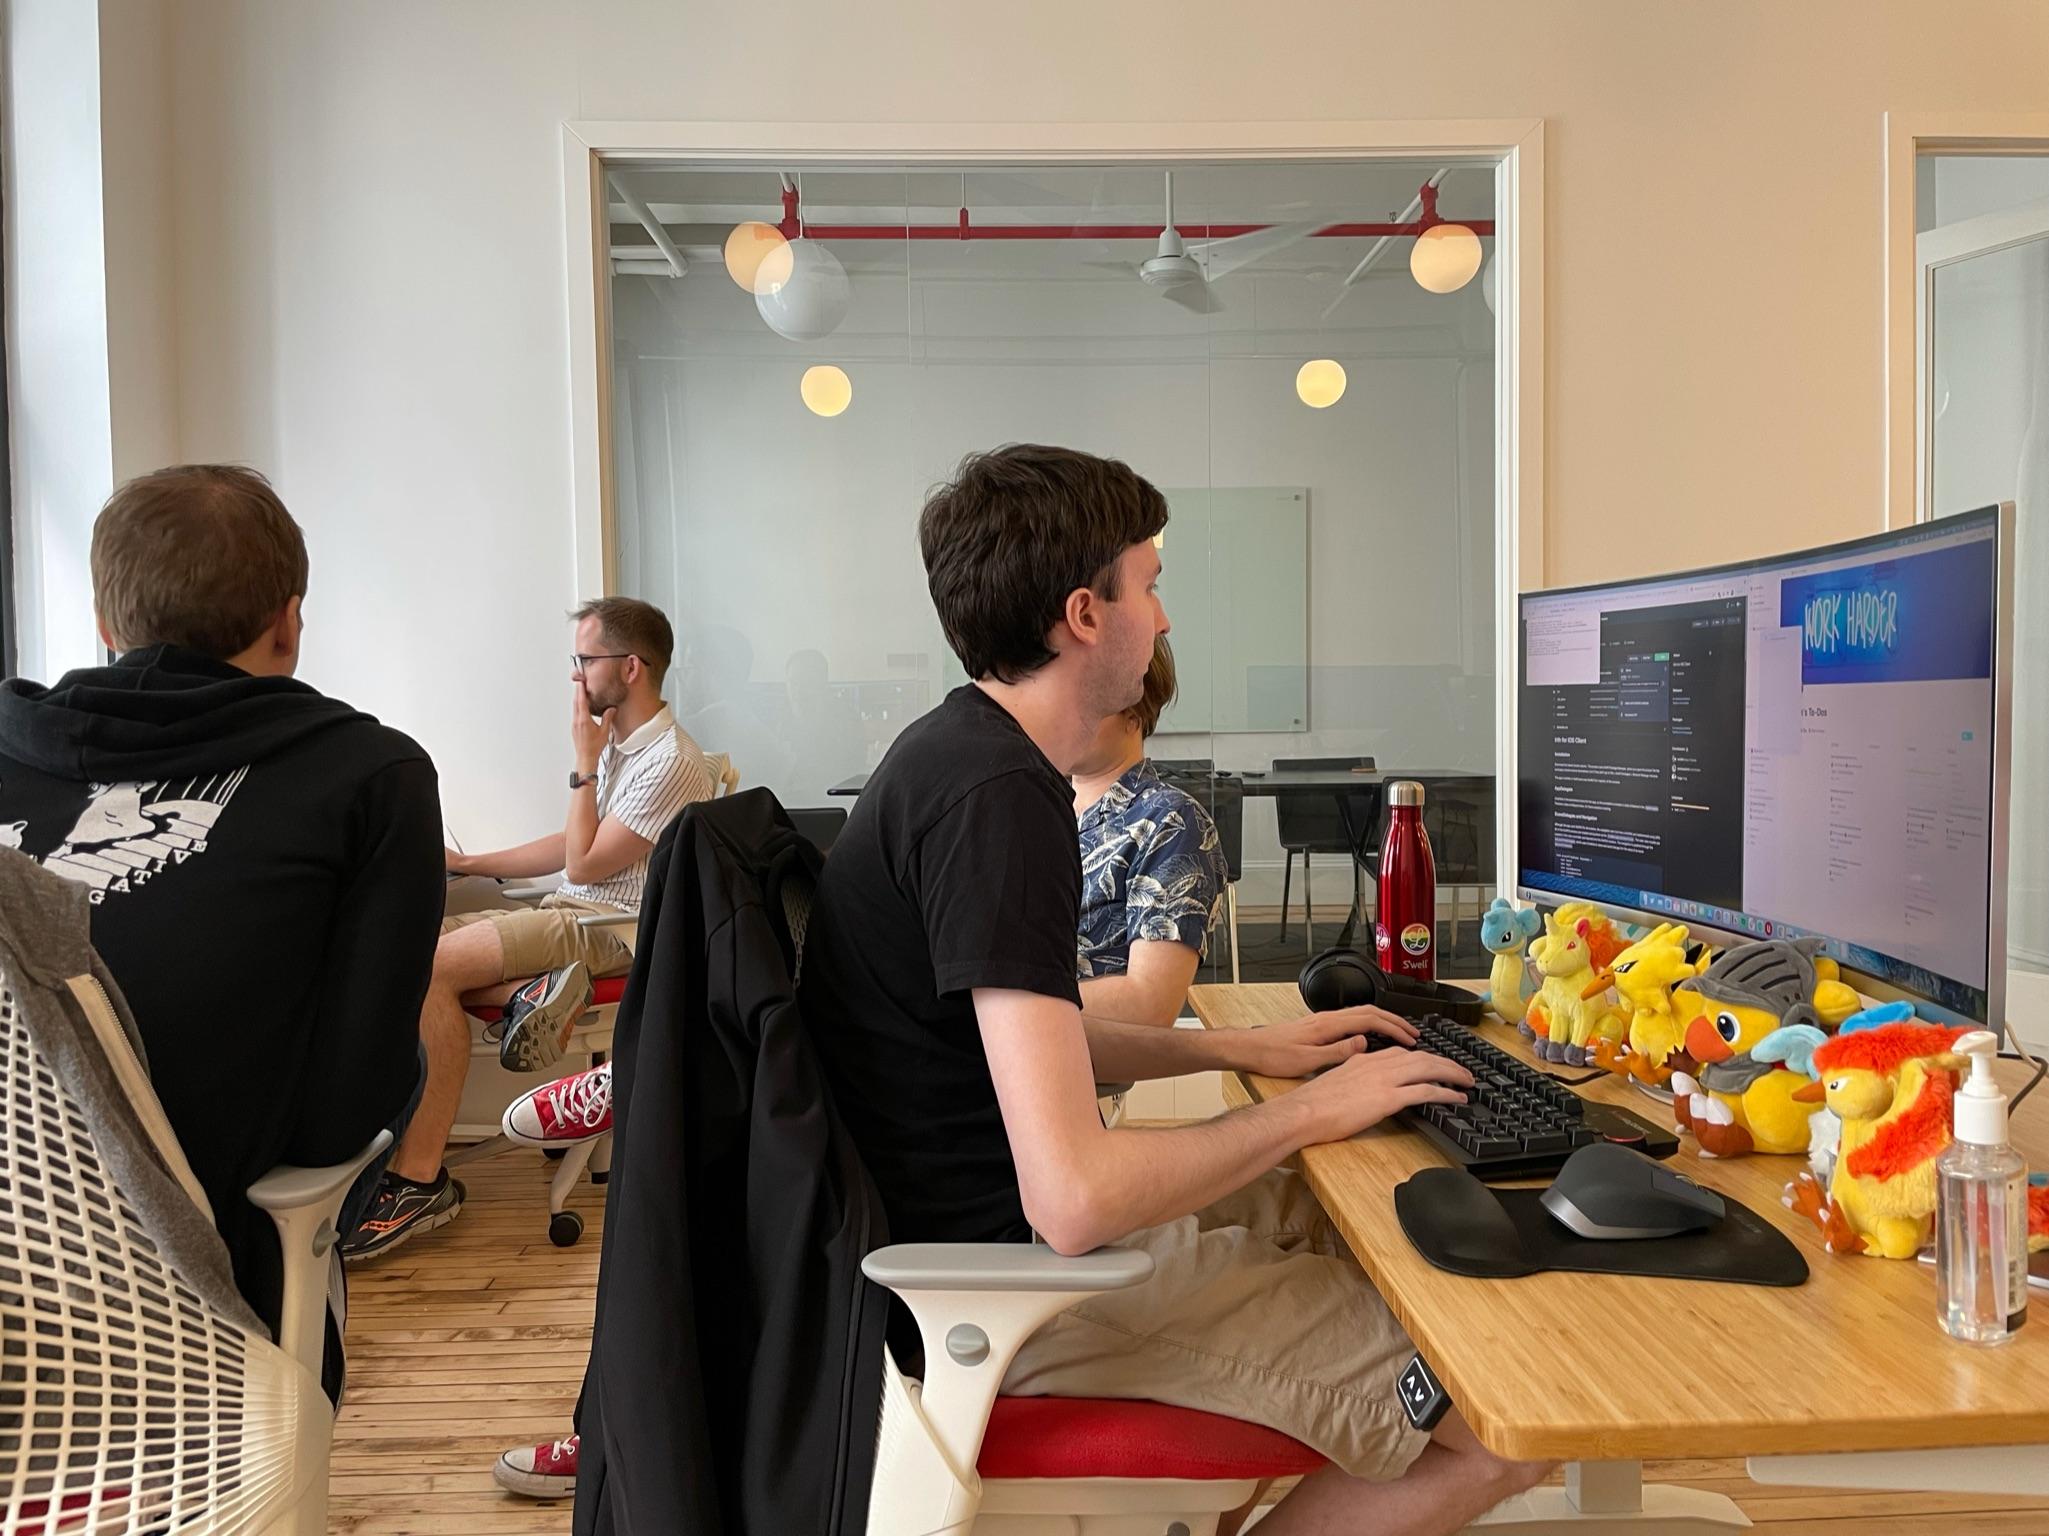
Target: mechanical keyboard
1517	1122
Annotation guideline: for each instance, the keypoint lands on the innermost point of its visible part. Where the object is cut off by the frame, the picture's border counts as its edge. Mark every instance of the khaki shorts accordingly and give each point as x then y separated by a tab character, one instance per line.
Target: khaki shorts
1255	1310
548	937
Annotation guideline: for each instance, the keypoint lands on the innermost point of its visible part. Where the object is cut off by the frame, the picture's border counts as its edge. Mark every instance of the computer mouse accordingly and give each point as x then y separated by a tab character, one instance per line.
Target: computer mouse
1610	1191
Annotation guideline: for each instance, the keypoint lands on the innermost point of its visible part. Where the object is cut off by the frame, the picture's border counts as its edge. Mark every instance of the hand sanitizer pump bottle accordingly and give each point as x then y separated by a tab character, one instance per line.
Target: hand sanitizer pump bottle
1981	1211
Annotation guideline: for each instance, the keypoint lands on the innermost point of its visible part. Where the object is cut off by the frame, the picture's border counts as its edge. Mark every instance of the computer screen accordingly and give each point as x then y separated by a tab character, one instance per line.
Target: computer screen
1803	745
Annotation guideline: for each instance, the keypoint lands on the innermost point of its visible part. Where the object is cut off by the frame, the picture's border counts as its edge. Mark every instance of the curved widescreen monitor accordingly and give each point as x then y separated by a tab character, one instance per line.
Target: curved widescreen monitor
1812	744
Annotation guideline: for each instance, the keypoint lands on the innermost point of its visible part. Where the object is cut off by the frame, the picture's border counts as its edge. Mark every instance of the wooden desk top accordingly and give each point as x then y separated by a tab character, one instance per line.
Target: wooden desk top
1616	1367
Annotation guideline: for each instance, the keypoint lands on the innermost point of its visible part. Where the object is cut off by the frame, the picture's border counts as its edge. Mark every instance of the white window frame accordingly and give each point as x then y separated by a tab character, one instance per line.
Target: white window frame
1515	145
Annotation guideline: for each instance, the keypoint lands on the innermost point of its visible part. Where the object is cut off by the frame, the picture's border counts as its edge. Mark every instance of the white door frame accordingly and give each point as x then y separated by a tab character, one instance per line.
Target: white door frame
1515	145
1933	250
1908	136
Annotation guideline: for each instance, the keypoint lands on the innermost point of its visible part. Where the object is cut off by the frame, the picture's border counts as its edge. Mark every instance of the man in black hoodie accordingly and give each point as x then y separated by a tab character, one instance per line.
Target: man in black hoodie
264	862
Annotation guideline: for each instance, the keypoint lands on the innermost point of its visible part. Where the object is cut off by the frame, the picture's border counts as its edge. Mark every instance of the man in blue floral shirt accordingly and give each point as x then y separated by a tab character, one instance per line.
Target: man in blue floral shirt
1152	869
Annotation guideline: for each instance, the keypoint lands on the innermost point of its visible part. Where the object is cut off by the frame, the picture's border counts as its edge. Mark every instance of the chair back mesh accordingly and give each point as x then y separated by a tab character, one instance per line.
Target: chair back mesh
127	1405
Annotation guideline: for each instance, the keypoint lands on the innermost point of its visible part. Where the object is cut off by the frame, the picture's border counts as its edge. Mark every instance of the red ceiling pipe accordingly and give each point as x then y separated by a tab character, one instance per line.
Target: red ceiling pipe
792	226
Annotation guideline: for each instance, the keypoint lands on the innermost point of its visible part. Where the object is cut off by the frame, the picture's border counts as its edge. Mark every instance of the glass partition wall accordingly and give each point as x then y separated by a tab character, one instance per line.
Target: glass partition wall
799	356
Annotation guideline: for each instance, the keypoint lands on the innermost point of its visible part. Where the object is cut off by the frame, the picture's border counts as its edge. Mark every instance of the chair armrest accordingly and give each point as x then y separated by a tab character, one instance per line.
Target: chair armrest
976	1304
528	892
304	1202
609	920
905	1267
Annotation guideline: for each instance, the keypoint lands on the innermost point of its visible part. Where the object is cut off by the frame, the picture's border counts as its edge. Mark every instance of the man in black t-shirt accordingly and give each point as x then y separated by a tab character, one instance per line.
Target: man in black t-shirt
939	985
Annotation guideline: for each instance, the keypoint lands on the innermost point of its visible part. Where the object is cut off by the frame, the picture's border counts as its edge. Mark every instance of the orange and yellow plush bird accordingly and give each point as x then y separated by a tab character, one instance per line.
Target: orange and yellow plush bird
1892	1087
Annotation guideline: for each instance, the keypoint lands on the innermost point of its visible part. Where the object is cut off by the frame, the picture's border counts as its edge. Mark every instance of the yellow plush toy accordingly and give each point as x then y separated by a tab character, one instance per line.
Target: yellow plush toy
1563	1022
1738	1099
1644	974
1892	1087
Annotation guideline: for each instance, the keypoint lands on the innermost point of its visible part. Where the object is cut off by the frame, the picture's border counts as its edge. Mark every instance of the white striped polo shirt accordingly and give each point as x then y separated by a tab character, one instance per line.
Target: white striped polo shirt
644	782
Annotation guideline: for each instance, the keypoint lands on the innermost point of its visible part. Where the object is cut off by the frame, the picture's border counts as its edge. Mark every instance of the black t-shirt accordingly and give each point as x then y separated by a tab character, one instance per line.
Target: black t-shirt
958	869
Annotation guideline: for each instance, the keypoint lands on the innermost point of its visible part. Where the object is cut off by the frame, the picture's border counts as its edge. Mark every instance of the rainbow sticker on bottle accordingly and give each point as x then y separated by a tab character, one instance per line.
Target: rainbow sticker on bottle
1416	938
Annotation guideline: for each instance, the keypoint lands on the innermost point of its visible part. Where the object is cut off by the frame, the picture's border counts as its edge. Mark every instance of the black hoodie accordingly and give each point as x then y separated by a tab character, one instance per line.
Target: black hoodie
266	874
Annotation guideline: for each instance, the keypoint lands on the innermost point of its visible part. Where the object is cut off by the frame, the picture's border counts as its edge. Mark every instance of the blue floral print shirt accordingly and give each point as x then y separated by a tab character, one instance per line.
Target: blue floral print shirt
1152	869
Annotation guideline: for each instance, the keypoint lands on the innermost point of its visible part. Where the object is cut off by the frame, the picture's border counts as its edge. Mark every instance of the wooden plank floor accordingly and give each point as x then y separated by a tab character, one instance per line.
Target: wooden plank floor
474	1338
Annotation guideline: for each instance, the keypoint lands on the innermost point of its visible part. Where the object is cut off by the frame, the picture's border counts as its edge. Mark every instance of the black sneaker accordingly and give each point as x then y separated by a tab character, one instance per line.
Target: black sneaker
403	1209
540	1016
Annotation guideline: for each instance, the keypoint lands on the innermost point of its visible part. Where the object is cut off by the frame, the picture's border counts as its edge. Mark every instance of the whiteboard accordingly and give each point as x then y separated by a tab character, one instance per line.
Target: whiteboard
1235	582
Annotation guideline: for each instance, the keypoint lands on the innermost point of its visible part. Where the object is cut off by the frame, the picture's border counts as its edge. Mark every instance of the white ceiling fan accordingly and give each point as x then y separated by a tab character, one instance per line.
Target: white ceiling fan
1183	273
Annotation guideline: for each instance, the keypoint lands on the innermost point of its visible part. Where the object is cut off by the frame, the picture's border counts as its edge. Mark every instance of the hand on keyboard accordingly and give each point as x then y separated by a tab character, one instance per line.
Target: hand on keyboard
1520	1122
1318	1040
1367	1089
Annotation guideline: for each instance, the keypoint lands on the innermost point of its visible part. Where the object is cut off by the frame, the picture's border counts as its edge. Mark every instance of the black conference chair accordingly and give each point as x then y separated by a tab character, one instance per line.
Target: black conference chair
820	825
1340	821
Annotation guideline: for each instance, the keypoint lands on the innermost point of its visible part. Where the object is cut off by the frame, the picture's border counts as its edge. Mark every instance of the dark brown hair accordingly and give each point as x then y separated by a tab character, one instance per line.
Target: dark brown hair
199	555
1160	688
1013	533
628	624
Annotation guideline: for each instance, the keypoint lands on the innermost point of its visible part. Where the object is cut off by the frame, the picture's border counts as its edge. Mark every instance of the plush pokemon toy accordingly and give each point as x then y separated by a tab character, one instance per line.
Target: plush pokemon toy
1644	975
1739	1096
1892	1087
1562	1021
1504	931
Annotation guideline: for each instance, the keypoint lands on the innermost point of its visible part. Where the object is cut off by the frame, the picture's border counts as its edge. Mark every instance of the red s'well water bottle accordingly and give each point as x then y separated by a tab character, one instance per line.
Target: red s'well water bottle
1406	933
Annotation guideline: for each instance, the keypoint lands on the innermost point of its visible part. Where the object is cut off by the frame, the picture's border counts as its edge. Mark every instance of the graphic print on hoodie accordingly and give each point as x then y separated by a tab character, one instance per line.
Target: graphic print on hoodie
266	871
128	833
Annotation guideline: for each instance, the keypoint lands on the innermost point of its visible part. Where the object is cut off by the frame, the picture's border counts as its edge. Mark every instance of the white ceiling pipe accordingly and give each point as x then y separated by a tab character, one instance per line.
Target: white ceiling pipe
643	269
677	265
1373	252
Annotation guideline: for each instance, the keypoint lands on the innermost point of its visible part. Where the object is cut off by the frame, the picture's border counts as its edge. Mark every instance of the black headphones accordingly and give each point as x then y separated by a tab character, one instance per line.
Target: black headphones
1344	978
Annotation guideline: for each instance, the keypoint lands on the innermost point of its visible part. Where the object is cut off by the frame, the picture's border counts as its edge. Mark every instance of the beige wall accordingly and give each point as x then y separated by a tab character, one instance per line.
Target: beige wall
369	269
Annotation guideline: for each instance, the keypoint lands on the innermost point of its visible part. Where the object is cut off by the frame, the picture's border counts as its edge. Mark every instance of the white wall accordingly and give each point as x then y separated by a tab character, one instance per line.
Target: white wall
370	278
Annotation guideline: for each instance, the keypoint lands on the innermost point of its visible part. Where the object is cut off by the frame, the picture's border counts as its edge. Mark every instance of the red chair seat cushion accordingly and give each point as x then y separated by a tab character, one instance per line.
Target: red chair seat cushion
1067	1437
605	992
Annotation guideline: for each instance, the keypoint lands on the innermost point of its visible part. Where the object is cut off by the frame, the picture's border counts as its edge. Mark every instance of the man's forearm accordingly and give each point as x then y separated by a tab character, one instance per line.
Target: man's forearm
1145	1176
1128	999
581	829
1133	1053
542	856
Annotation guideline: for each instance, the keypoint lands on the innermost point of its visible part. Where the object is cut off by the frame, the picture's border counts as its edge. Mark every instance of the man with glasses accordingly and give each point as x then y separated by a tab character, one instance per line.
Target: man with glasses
632	772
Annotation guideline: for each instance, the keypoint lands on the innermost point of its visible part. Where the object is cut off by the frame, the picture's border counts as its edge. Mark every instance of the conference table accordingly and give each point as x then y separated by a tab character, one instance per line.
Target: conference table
1846	1381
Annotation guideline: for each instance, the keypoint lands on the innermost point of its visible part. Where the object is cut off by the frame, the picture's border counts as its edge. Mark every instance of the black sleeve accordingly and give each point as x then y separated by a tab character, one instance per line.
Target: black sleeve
365	1062
998	879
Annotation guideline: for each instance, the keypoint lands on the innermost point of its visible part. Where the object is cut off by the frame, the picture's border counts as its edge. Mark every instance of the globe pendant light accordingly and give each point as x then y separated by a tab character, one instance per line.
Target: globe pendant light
757	255
1320	383
809	303
826	389
1445	257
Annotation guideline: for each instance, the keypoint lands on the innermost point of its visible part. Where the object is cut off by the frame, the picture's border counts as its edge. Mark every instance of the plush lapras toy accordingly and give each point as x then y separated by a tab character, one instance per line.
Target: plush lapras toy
1504	931
1741	1098
1644	975
1892	1086
1562	1021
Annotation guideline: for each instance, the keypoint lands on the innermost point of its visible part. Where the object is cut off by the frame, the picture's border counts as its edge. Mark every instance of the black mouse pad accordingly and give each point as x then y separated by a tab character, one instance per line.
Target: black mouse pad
1461	1225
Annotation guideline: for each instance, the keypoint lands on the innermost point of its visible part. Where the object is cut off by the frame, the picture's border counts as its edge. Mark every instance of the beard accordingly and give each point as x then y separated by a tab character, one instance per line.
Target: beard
604	699
1116	687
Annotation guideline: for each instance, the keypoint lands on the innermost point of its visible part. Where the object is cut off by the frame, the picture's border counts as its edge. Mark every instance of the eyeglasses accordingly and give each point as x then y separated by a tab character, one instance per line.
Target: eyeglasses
579	662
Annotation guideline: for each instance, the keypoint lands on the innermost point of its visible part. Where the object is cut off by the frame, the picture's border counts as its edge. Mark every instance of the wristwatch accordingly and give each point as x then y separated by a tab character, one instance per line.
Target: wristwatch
578	780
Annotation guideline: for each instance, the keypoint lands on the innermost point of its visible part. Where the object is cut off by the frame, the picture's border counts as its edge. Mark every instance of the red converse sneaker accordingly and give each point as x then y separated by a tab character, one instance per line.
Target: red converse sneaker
564	1112
539	1471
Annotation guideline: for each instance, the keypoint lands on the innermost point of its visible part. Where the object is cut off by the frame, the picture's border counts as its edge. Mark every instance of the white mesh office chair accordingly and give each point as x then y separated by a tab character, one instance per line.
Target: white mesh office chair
952	1457
127	1403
